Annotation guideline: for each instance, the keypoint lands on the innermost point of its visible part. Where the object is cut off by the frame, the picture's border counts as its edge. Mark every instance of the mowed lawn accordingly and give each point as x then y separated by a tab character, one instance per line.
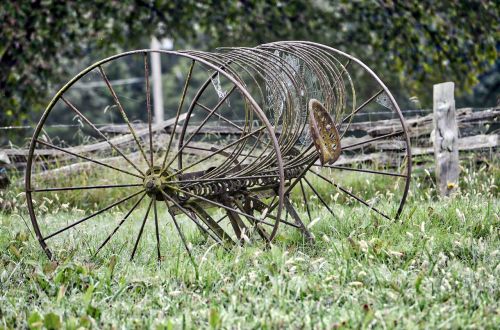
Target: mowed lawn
438	266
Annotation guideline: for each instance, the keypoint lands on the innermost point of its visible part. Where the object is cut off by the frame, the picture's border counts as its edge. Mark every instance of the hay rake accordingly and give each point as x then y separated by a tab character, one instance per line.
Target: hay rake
289	107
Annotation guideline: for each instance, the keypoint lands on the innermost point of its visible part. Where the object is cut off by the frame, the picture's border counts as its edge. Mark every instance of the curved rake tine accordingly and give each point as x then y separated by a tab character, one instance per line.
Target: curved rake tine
123	114
221	205
362	201
181	103
295	216
88	159
148	106
85	119
141	230
235	210
294	183
157	230
93	215
255	225
87	187
119	225
305	200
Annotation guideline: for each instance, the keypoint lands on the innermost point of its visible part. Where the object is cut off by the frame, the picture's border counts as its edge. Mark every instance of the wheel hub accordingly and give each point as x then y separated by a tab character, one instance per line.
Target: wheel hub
155	181
153	184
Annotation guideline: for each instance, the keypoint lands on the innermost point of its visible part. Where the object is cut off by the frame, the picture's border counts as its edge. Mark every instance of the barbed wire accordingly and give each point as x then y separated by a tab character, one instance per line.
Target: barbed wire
378	113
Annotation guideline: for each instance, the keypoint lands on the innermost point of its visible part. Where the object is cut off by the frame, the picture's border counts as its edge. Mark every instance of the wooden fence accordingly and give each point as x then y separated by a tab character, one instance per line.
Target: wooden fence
442	132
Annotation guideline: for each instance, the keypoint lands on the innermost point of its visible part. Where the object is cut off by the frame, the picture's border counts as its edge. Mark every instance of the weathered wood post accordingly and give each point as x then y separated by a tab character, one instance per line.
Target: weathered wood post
445	138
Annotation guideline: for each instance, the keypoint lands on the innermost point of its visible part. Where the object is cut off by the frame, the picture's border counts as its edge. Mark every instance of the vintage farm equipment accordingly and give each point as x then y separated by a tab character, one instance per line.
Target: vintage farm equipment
251	127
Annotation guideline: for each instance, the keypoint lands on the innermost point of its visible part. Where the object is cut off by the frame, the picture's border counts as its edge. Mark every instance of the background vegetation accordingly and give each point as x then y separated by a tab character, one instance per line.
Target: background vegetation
411	44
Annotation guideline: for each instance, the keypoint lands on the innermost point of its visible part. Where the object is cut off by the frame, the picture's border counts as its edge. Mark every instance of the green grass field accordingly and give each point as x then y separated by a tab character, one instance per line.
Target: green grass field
436	267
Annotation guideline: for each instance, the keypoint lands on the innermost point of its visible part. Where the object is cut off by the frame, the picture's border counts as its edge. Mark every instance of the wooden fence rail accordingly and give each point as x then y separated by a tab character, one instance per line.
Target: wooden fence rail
443	133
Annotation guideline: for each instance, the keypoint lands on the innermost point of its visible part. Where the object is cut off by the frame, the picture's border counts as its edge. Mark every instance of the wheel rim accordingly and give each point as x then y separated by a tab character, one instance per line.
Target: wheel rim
146	184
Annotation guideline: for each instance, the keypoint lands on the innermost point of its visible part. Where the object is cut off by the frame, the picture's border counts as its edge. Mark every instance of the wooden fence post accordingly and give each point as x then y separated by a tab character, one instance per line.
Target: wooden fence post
445	138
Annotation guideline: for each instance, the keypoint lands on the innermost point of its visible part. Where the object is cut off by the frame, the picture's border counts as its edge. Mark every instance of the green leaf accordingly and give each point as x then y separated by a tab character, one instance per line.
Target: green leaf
35	320
87	297
52	321
60	293
214	318
94	312
112	265
418	282
15	251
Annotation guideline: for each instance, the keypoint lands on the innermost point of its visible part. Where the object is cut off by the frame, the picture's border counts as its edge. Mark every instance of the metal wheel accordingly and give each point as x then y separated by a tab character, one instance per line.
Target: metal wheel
130	177
254	132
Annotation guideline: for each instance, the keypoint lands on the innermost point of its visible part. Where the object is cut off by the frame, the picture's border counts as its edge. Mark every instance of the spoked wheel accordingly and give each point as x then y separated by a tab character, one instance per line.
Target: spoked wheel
254	132
100	170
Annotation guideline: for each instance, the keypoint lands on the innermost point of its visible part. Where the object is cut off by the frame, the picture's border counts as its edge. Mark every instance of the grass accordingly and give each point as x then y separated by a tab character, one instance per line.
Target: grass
436	267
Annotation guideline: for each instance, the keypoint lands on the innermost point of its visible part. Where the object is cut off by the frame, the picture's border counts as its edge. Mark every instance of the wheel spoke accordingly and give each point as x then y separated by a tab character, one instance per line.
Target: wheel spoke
305	200
359	199
223	217
85	119
87	158
199	127
398	133
141	230
361	106
123	114
220	116
93	215
215	152
215	149
119	224
183	239
87	187
157	230
148	106
319	196
181	103
293	213
264	206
